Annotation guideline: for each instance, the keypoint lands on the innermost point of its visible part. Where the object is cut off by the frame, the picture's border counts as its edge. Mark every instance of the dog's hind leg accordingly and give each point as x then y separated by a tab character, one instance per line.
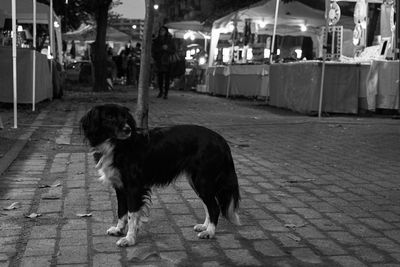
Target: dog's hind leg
122	215
212	214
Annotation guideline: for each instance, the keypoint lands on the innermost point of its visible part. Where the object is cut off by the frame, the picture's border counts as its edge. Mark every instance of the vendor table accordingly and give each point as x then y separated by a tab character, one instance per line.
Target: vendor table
217	80
44	89
238	80
296	86
382	85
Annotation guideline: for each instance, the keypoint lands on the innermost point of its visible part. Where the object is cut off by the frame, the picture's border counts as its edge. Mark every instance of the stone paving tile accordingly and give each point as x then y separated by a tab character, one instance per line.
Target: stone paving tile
313	193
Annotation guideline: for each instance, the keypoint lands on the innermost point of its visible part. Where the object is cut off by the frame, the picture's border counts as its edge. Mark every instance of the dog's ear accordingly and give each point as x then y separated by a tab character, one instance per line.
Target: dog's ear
89	123
131	120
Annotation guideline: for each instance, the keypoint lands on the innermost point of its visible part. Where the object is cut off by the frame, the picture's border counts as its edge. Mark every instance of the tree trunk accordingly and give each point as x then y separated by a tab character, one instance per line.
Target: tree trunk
142	110
100	56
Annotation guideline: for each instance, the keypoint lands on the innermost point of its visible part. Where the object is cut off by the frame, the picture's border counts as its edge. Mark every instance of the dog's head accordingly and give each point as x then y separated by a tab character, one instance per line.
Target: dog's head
108	121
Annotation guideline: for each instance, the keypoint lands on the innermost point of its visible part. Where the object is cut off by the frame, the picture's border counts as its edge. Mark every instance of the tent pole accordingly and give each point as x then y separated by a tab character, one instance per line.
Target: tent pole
34	57
51	33
397	34
14	57
324	51
274	32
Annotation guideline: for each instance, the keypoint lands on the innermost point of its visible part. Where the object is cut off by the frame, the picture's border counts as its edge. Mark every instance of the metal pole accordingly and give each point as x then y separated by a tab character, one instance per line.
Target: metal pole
324	51
397	34
34	57
398	30
274	32
14	56
51	34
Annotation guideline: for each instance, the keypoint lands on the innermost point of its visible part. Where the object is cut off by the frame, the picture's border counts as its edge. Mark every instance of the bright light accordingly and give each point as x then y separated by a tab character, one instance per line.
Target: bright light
364	24
226	54
202	61
188	55
249	55
263	24
49	55
267	53
134	27
156	7
189	35
303	28
299	52
20	29
230	27
278	52
56	24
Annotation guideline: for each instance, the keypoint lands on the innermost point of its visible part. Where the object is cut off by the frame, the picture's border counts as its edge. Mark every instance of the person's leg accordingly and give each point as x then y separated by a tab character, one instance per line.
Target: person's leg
167	82
160	83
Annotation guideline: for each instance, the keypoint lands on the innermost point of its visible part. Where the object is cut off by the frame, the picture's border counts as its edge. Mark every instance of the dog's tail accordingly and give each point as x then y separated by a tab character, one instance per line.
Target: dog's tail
228	199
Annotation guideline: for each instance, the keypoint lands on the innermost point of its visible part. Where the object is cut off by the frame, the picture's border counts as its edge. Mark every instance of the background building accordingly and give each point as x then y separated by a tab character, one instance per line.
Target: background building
132	27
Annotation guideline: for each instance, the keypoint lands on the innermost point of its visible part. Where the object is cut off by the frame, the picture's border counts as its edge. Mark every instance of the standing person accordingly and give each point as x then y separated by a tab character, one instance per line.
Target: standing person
137	53
162	48
111	71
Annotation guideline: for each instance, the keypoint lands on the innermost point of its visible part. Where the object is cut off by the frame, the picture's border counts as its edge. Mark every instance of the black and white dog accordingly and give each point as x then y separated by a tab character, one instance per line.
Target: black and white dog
134	162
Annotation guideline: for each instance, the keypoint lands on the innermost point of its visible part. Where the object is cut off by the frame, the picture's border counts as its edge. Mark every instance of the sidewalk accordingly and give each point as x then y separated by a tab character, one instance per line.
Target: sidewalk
313	193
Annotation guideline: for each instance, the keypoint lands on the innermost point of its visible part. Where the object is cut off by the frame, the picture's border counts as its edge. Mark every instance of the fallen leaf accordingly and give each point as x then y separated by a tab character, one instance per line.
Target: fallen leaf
33	215
293	226
56	184
84	214
13	206
293	237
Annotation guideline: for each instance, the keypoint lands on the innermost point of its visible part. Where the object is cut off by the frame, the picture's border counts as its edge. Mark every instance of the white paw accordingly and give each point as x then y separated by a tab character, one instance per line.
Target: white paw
200	227
115	231
206	234
126	242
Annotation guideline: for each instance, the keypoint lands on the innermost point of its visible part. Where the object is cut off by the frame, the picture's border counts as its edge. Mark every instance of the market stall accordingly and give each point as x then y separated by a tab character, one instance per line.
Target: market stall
366	80
44	88
29	62
356	76
296	86
192	39
238	80
250	32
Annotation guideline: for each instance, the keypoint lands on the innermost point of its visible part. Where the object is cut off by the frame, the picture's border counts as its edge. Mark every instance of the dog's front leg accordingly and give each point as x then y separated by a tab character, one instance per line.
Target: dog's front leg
122	214
133	221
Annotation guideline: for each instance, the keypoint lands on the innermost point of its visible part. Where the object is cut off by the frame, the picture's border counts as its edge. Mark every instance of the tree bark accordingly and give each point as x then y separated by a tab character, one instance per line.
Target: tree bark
142	110
100	56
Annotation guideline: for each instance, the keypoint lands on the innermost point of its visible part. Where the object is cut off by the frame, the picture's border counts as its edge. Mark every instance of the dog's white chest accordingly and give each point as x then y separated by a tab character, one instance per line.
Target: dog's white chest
108	174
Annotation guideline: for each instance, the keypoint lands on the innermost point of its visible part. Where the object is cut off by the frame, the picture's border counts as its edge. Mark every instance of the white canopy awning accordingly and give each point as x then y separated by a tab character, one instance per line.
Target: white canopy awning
24	12
88	33
291	17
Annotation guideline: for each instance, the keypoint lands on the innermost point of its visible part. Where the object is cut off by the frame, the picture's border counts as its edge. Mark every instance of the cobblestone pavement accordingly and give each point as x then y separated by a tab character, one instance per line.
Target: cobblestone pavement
314	193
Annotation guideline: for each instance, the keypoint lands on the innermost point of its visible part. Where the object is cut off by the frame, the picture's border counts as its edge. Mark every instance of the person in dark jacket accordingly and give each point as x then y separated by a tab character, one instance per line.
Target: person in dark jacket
162	49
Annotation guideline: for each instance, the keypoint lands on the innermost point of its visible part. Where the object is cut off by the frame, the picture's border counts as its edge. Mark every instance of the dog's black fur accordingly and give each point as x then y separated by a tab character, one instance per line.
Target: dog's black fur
157	158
